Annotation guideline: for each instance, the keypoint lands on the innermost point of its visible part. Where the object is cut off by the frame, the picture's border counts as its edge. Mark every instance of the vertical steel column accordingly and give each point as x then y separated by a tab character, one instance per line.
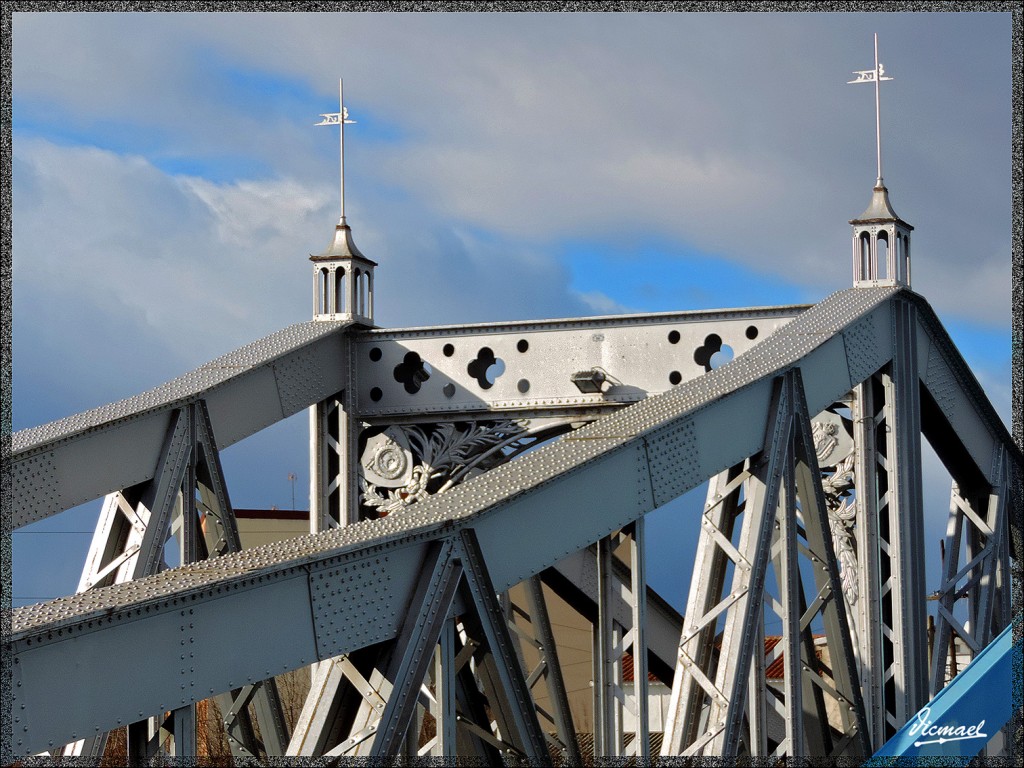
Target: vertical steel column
829	602
552	670
980	518
994	532
695	656
785	471
444	692
607	720
318	504
184	728
333	457
906	518
724	685
331	481
892	624
743	620
141	744
413	649
641	746
188	544
757	705
513	683
868	420
788	578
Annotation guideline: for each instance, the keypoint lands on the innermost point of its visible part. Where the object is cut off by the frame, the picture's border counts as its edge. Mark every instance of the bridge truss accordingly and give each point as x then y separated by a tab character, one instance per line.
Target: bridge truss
467	479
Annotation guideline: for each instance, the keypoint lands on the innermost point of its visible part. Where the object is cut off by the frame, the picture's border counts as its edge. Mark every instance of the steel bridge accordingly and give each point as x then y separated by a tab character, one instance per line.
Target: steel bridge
470	483
811	441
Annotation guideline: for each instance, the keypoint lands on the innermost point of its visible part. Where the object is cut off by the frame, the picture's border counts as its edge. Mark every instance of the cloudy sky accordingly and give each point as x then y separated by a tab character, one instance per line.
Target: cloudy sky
168	185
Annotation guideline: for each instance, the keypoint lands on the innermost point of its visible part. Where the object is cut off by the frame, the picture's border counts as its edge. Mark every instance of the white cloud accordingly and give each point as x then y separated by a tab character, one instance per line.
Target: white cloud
601	304
184	266
704	129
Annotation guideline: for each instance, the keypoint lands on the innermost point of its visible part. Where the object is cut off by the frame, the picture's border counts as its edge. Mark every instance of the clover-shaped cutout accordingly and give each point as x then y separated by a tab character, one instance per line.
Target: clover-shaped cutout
412	372
713	354
486	368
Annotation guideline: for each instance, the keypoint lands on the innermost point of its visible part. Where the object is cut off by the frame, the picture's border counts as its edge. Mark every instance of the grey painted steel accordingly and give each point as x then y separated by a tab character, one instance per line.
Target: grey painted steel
742	622
867	418
184	730
413	652
62	464
704	603
444	688
640	355
495	627
189	464
798	709
641	744
974	570
551	671
907	506
316	721
710	690
891	624
579	572
616	468
607	656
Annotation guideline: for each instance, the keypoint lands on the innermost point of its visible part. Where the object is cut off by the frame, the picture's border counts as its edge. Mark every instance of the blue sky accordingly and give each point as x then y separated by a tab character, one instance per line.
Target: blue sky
168	184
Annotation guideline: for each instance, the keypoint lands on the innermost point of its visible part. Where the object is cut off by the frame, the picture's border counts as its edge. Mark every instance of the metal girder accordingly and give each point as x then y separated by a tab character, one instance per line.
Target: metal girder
382	729
549	669
59	465
891	626
574	579
704	604
640	747
618	468
614	637
720	684
417	374
702	680
973	597
414	646
129	542
334	498
607	656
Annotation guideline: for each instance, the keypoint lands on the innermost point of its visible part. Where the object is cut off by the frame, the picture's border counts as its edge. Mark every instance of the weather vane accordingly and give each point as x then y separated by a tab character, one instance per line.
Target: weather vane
875	76
339	119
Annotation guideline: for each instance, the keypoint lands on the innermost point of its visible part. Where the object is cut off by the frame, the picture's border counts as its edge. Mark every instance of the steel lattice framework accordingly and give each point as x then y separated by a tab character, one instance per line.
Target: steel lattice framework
465	480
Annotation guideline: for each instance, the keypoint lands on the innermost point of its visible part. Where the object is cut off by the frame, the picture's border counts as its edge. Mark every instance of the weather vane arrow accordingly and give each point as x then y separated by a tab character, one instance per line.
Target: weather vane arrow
339	119
335	118
876	76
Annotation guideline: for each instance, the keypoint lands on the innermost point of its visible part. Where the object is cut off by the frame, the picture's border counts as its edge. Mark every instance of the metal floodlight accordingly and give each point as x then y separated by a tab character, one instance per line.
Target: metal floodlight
589	382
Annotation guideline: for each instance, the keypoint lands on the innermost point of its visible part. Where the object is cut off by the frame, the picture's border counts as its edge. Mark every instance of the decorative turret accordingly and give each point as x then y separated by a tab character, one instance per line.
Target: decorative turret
342	275
343	280
881	239
881	244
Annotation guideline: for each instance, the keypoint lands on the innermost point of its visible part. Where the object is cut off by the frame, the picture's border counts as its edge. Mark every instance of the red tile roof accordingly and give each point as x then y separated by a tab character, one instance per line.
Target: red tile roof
627	670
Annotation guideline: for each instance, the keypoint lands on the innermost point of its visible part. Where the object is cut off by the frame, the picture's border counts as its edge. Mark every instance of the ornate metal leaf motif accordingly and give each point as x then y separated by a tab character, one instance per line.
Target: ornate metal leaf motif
842	513
834	446
430	459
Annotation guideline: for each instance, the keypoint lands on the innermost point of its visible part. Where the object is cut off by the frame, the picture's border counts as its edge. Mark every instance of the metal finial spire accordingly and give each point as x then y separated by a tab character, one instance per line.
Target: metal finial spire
339	118
875	76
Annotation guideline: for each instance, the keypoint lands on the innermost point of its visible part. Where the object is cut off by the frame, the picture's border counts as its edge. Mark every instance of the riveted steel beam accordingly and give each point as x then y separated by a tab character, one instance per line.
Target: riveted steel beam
83	457
618	468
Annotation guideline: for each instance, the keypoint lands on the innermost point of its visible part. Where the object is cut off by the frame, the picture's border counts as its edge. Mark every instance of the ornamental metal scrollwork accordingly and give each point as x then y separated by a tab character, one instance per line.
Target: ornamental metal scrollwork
833	444
405	464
